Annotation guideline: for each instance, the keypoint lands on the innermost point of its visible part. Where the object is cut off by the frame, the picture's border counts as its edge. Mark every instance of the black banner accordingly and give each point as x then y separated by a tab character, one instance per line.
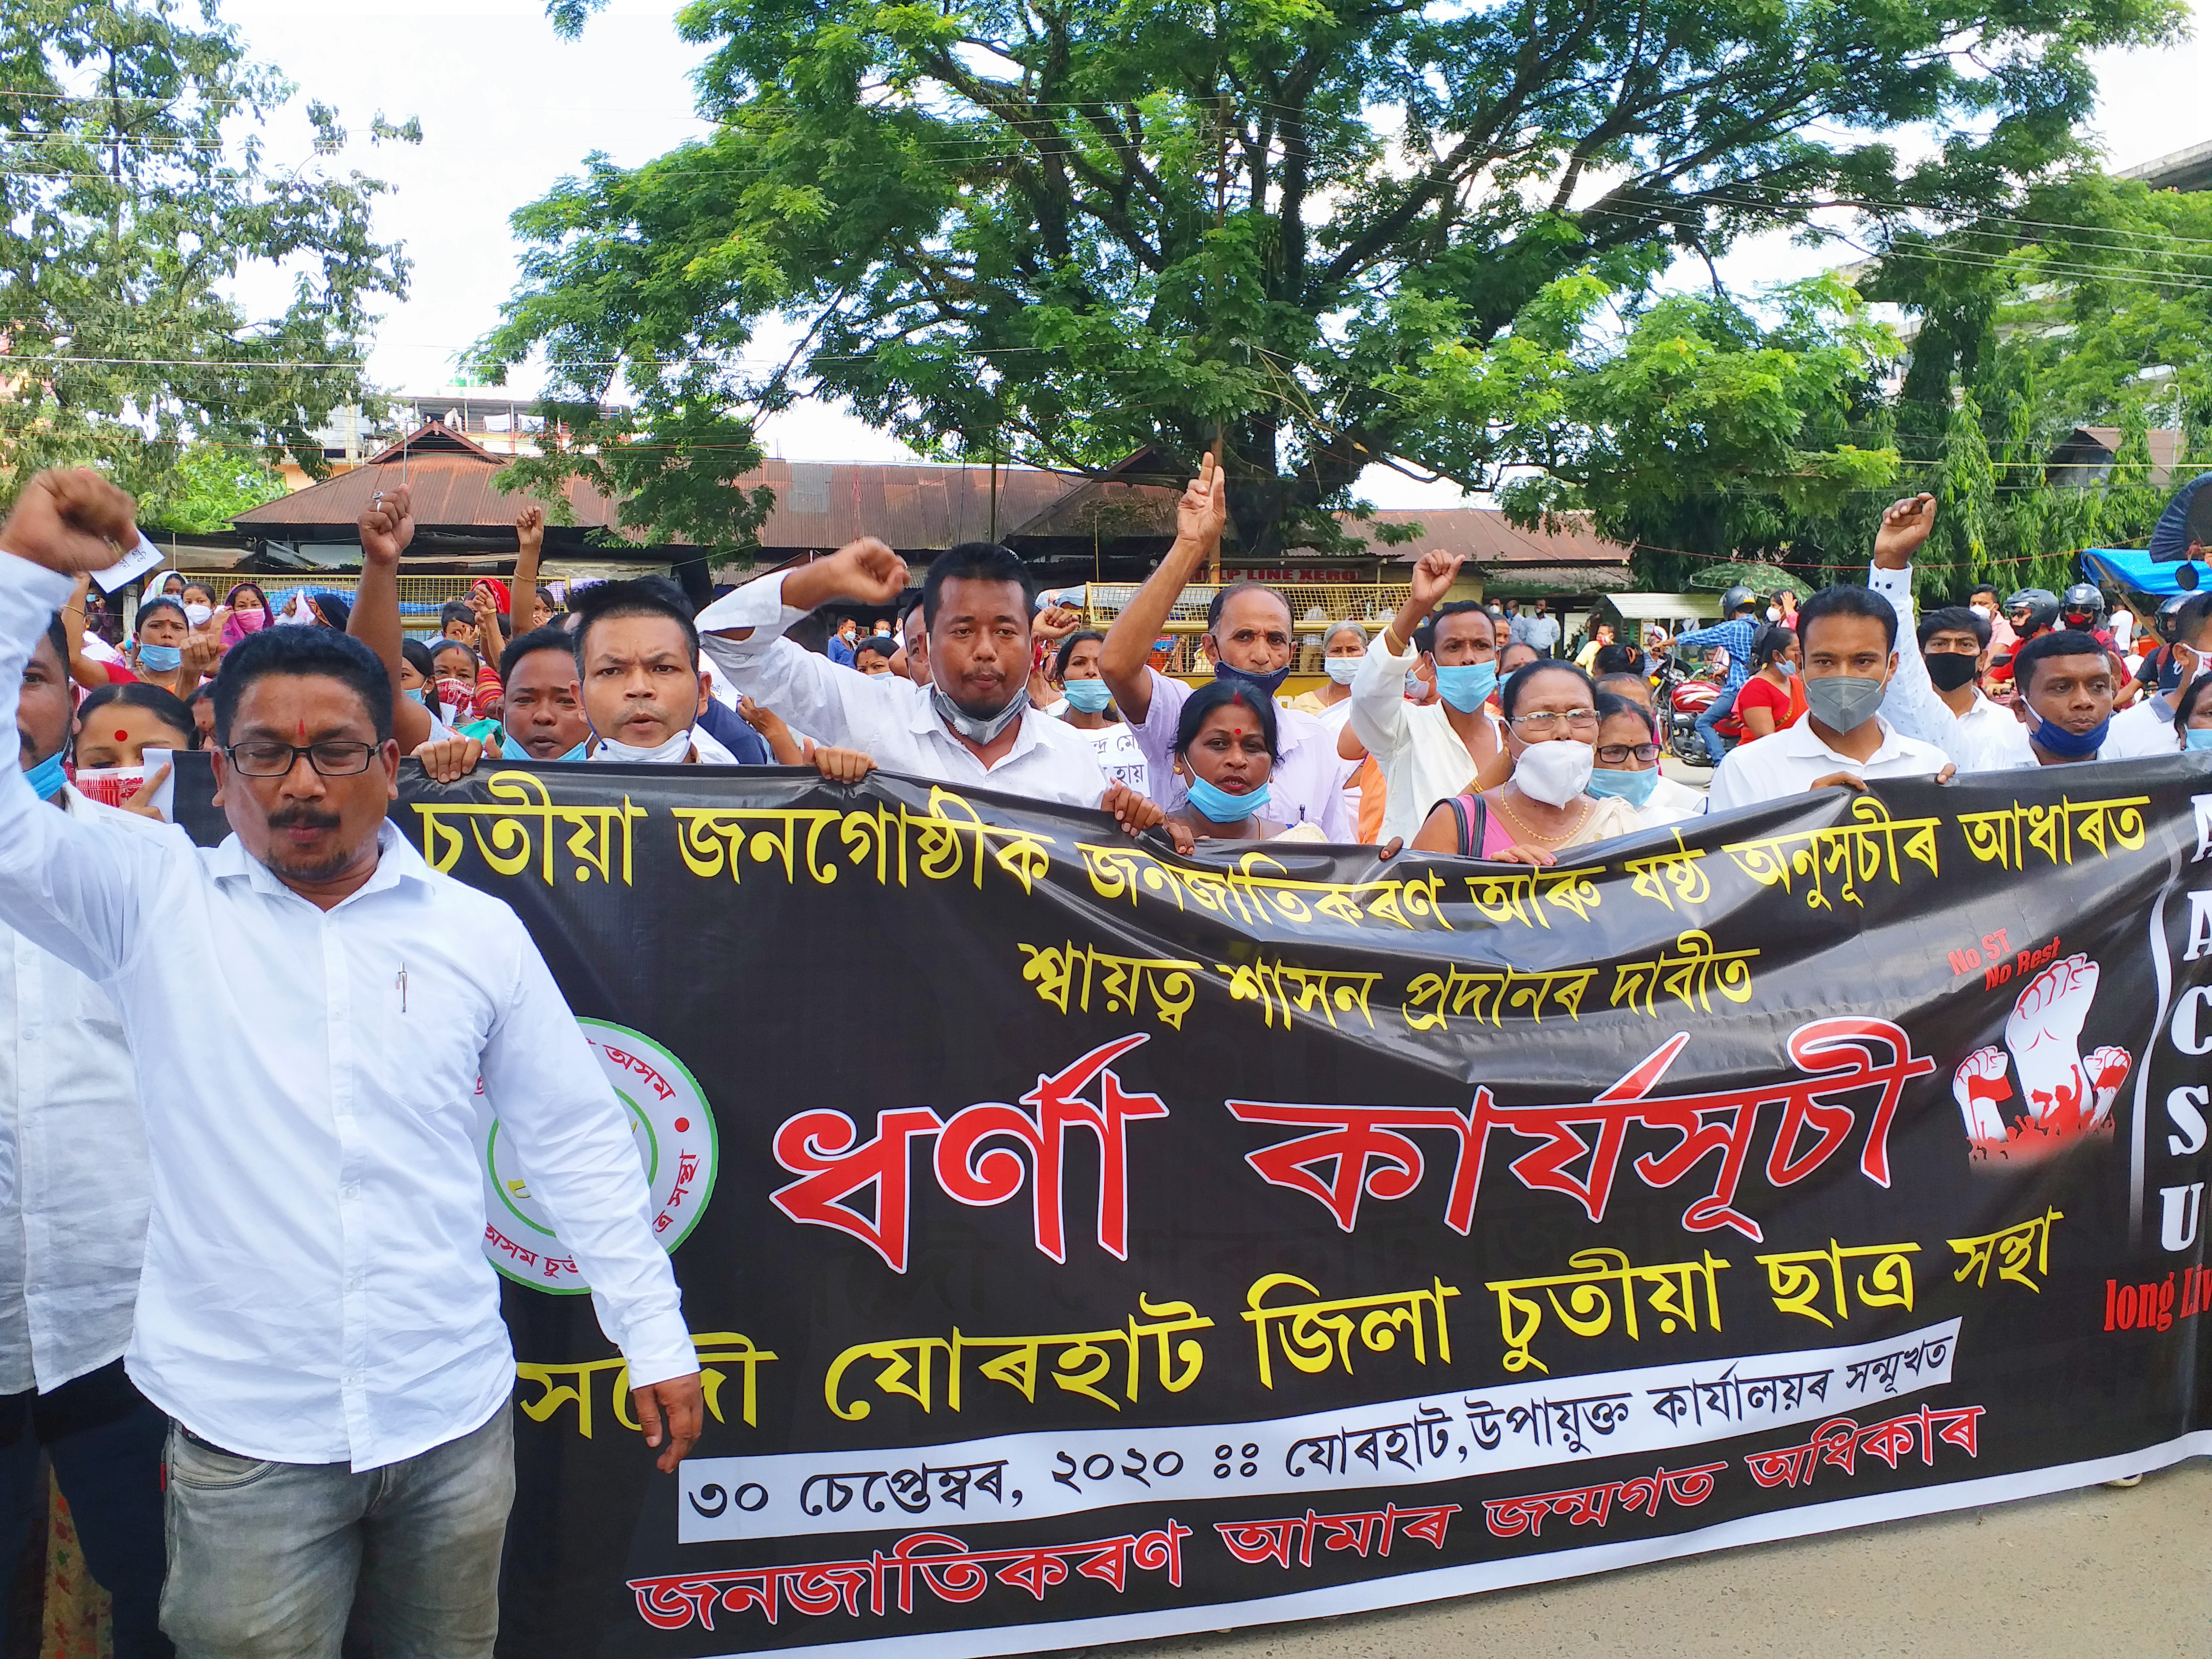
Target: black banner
1084	1243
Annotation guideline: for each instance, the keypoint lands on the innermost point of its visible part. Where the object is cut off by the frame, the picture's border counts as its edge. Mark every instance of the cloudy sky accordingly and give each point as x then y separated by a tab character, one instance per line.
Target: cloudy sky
507	108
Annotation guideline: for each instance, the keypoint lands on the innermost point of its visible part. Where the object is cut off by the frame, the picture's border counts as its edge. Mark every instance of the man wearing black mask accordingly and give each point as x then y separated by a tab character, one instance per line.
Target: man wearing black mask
1250	637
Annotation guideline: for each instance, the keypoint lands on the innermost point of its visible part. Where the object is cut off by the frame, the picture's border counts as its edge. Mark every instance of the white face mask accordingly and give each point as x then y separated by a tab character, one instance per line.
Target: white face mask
198	614
677	749
1343	669
1774	613
1984	610
1555	772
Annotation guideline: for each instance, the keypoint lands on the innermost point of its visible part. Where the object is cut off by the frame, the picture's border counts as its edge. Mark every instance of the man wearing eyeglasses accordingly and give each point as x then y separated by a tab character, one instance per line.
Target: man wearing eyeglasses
311	1008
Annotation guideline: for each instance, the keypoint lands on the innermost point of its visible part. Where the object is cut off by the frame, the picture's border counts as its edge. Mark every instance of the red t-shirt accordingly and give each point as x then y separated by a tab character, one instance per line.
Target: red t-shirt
1785	703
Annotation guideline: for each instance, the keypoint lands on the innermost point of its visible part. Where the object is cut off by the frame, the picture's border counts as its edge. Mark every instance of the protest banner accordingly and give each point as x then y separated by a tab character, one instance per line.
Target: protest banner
1085	1243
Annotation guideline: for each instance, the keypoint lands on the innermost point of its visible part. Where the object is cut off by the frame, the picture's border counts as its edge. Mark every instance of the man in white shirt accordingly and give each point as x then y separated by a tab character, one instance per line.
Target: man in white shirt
310	1009
1849	638
1248	636
637	662
74	1192
972	726
1430	753
2145	726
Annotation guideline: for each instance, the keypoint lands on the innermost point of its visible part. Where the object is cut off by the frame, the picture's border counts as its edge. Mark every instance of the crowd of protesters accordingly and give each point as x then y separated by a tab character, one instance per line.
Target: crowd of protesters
316	1366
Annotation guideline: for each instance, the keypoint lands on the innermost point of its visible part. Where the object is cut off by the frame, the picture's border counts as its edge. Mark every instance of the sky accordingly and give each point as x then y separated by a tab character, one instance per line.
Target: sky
507	108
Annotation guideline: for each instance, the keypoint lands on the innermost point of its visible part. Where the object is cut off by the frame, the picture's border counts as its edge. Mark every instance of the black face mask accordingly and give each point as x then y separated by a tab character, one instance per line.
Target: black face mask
1267	684
1949	669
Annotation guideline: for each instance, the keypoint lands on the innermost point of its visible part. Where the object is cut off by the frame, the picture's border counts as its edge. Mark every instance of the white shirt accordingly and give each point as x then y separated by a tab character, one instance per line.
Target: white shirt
1305	787
1332	720
73	1183
1670	803
315	1289
2144	728
888	718
1421	757
1119	758
1987	737
1786	763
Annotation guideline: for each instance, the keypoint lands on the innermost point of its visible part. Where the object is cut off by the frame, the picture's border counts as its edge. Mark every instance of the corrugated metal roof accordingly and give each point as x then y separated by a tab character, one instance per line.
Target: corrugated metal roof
451	479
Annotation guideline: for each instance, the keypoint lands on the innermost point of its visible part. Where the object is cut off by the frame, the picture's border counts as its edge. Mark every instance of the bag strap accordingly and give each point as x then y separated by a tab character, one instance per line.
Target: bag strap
1473	820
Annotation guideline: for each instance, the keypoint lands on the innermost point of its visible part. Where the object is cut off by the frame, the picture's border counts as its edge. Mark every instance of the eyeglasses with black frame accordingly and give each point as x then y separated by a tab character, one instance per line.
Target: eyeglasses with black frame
1617	754
334	757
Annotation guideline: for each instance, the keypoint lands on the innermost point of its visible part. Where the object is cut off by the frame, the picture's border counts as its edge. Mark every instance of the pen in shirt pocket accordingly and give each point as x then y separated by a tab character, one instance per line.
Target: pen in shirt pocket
401	984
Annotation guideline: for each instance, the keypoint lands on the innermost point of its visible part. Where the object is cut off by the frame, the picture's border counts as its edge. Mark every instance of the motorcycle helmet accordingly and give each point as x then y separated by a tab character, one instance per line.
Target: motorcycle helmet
1738	598
2032	611
2083	607
2169	616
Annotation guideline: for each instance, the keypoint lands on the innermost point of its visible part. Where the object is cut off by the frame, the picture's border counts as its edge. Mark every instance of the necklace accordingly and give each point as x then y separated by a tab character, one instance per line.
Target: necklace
1534	834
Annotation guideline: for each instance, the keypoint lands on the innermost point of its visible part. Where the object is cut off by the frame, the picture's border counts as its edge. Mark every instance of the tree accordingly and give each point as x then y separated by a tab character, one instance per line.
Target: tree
208	487
1065	230
135	192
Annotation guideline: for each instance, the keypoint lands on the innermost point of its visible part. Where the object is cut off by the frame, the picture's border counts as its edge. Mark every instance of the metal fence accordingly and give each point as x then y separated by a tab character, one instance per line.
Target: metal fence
421	598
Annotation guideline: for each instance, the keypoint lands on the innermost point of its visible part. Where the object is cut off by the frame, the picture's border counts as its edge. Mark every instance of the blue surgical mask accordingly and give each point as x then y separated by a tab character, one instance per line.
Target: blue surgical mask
1089	697
161	658
1634	788
47	777
1267	683
2197	737
421	694
515	751
2058	740
1220	807
1343	669
1466	686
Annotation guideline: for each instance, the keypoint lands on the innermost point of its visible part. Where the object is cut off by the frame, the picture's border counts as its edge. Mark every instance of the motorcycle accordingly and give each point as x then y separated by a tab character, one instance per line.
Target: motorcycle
1686	695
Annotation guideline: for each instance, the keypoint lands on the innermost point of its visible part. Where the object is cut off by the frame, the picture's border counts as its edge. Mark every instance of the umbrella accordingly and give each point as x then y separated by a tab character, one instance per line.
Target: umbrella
2187	519
1759	577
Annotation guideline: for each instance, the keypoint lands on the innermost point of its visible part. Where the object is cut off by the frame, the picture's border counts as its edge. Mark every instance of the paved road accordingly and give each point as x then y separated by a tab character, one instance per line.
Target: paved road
2088	1575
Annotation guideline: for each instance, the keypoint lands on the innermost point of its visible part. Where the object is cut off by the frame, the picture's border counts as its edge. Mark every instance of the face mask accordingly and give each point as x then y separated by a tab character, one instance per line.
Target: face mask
1343	669
421	694
1634	788
1466	686
978	731
677	749
1267	683
47	777
1555	772
1843	702
1773	613
1414	686
161	658
515	751
1984	610
1787	669
196	615
249	621
1949	669
2197	737
1220	807
2058	740
1089	697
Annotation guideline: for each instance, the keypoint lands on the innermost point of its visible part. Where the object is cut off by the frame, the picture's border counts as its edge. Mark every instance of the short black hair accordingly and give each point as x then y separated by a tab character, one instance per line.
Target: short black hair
1845	599
1509	694
2189	622
58	637
975	562
909	603
1230	591
1955	619
1988	588
881	645
455	611
641	596
302	652
1068	649
2191	695
1424	636
2059	642
1216	694
1771	641
1611	704
551	637
1618	658
164	706
550	599
418	655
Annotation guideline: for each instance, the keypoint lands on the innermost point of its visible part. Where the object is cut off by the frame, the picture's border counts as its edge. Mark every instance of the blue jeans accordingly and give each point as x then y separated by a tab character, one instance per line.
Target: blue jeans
1718	709
104	1439
272	1560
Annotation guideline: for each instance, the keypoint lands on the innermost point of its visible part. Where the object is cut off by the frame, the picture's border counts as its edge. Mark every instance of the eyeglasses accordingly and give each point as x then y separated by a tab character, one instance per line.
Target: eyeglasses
1544	723
333	759
1617	754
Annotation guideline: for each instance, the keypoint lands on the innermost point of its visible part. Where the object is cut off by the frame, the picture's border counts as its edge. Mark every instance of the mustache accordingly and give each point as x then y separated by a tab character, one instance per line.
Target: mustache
303	818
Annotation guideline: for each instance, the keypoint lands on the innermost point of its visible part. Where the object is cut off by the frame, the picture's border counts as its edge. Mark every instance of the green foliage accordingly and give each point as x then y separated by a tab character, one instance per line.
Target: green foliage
208	487
134	192
1067	230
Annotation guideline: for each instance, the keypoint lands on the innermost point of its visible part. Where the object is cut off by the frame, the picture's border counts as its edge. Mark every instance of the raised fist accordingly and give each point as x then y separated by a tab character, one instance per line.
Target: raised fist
1979	1087
2045	1036
70	521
